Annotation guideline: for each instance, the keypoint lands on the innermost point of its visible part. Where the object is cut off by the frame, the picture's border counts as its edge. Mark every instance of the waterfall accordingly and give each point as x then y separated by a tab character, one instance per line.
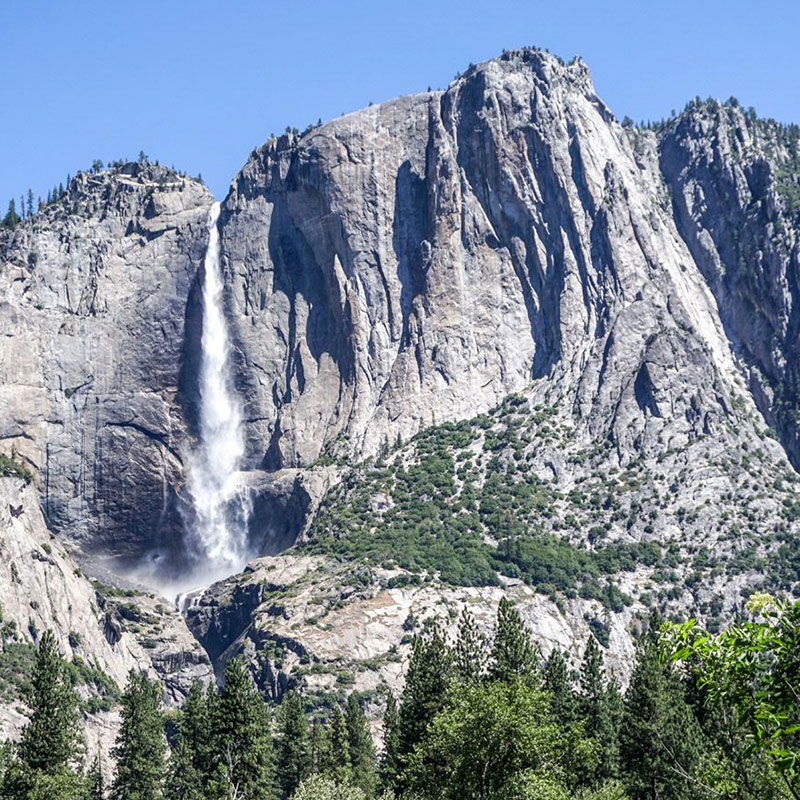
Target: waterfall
216	526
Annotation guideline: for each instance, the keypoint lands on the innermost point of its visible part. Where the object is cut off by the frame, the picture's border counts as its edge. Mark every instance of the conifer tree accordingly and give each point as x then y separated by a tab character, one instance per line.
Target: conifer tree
427	680
184	781
600	709
513	653
242	740
390	757
293	756
195	727
50	752
319	747
338	764
659	736
469	656
97	784
30	203
11	218
140	747
361	747
51	741
555	677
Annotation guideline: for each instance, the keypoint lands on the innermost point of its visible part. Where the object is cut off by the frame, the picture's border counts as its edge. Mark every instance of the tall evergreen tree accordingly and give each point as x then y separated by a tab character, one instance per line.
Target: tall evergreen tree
140	747
11	218
513	653
195	727
30	203
390	757
293	756
97	784
360	747
660	744
427	680
600	710
183	781
50	752
469	656
51	741
555	677
319	747
338	764
242	739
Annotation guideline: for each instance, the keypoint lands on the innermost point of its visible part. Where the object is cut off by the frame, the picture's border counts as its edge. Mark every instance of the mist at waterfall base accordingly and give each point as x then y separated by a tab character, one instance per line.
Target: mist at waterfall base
217	506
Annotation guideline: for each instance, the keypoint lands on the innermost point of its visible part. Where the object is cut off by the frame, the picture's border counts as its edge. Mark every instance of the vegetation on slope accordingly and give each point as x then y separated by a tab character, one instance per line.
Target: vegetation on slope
478	502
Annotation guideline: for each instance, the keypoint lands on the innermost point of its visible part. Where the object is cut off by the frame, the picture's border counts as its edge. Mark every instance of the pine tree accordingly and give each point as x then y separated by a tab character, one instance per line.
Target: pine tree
427	680
242	740
361	747
513	654
555	677
30	203
51	741
195	727
319	747
659	737
11	218
469	656
189	771
97	785
184	781
600	710
293	756
140	746
390	757
338	763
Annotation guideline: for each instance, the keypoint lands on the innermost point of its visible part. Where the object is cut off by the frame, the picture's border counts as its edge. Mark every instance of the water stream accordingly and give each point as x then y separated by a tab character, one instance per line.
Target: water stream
216	526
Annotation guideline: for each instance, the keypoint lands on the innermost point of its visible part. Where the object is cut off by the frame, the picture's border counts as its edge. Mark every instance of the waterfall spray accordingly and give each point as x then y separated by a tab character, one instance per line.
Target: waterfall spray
217	525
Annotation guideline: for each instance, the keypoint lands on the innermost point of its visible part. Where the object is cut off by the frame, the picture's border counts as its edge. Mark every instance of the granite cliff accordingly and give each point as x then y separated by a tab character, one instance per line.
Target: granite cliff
487	339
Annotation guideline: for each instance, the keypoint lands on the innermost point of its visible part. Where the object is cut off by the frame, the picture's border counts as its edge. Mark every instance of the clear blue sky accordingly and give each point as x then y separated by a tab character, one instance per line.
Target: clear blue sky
198	84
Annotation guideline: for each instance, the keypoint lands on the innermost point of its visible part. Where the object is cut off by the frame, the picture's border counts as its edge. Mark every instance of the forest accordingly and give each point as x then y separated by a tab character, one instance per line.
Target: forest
705	715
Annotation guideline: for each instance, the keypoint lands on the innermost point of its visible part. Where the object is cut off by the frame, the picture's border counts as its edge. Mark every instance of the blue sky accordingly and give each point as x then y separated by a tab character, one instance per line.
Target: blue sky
199	84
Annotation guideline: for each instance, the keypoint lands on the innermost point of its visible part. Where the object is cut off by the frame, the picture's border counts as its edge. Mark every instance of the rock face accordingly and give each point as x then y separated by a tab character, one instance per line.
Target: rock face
93	296
420	262
42	588
734	186
336	628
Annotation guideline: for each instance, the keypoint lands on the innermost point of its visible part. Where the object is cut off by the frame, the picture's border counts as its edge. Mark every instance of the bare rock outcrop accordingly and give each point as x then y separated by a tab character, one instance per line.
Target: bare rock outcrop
94	291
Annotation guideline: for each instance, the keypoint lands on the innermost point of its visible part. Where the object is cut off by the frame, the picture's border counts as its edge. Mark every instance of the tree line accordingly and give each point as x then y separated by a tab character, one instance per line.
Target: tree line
704	716
28	207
